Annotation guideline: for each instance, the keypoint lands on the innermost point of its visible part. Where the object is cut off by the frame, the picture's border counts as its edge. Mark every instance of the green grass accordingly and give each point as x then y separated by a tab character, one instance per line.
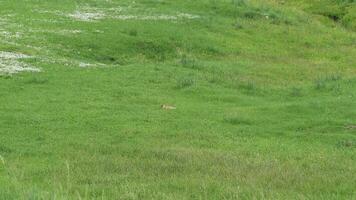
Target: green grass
265	94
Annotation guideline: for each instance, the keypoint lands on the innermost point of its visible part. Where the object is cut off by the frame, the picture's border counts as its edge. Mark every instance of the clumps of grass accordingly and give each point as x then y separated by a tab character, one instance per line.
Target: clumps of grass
238	26
327	8
4	149
189	62
37	81
274	16
6	76
185	82
214	78
339	11
349	19
237	120
133	32
329	82
244	9
347	144
240	2
155	50
248	87
296	92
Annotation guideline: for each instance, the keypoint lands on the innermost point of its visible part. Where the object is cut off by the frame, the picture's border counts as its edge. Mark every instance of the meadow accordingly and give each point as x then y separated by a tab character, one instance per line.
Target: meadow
265	97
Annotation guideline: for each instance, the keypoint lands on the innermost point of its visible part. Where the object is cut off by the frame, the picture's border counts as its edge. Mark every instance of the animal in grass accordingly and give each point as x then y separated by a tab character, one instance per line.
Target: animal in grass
168	107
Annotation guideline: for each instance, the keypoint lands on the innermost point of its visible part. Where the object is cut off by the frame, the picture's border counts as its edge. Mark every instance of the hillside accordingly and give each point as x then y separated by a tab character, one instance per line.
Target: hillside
264	91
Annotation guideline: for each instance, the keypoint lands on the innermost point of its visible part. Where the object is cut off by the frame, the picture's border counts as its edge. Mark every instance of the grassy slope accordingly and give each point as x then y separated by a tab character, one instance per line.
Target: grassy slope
264	104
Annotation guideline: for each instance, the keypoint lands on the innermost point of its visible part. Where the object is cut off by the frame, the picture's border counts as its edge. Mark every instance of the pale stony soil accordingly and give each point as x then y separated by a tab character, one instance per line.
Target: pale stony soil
11	63
12	31
86	13
93	16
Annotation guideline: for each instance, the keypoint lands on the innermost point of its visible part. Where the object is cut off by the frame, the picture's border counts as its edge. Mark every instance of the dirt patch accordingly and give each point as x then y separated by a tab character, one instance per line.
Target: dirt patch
11	63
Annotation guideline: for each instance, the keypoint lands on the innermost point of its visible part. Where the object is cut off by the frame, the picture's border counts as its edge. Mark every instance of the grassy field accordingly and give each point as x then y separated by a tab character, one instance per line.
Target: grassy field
265	97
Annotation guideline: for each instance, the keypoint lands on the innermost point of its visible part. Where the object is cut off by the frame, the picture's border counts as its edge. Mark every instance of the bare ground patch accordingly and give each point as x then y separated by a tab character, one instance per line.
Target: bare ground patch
11	63
125	13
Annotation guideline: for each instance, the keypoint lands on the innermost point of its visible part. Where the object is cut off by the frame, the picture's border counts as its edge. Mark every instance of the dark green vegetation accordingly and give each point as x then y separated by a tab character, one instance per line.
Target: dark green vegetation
265	94
343	11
